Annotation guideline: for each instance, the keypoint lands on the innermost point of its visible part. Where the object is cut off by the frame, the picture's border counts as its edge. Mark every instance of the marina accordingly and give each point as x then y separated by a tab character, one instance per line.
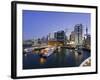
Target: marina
54	57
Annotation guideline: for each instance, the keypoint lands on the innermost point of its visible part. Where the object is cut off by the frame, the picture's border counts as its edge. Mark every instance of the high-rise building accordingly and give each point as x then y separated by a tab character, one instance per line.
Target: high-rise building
57	38
72	36
78	29
60	35
87	41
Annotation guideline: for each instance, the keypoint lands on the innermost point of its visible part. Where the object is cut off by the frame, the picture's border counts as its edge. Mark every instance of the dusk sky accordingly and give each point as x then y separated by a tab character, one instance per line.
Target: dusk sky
40	23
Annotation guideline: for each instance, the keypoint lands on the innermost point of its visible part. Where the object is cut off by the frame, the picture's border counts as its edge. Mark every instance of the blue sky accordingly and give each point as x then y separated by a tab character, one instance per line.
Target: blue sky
39	23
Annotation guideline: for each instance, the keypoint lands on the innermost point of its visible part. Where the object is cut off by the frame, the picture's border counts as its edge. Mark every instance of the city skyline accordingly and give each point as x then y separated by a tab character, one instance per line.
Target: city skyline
33	21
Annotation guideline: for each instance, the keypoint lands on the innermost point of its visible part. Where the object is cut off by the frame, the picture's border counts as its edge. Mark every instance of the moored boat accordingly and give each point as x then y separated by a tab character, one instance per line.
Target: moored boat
46	52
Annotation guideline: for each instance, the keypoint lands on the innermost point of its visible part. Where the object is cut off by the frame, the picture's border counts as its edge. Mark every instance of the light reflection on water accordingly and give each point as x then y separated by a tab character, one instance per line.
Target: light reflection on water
42	60
62	58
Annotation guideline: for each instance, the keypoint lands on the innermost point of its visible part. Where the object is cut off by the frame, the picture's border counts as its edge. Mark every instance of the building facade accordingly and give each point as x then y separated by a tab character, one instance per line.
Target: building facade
78	31
72	36
87	42
57	38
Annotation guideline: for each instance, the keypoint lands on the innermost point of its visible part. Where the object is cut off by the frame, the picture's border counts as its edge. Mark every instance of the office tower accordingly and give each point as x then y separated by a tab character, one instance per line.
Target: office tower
72	36
78	29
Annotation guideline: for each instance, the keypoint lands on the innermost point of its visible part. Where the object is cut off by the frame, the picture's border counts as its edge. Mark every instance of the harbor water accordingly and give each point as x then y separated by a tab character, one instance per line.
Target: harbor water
60	58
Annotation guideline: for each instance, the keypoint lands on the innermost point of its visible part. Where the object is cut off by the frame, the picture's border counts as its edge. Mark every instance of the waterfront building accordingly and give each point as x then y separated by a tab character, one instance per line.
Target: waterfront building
72	36
27	42
87	42
57	38
60	36
51	36
78	29
44	39
35	42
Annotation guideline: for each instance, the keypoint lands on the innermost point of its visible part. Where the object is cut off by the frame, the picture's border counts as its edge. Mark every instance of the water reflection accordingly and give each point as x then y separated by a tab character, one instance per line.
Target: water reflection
78	57
42	60
61	57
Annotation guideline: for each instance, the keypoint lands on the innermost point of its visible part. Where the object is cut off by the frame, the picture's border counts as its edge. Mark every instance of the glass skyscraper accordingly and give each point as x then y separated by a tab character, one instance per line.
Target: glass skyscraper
78	29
